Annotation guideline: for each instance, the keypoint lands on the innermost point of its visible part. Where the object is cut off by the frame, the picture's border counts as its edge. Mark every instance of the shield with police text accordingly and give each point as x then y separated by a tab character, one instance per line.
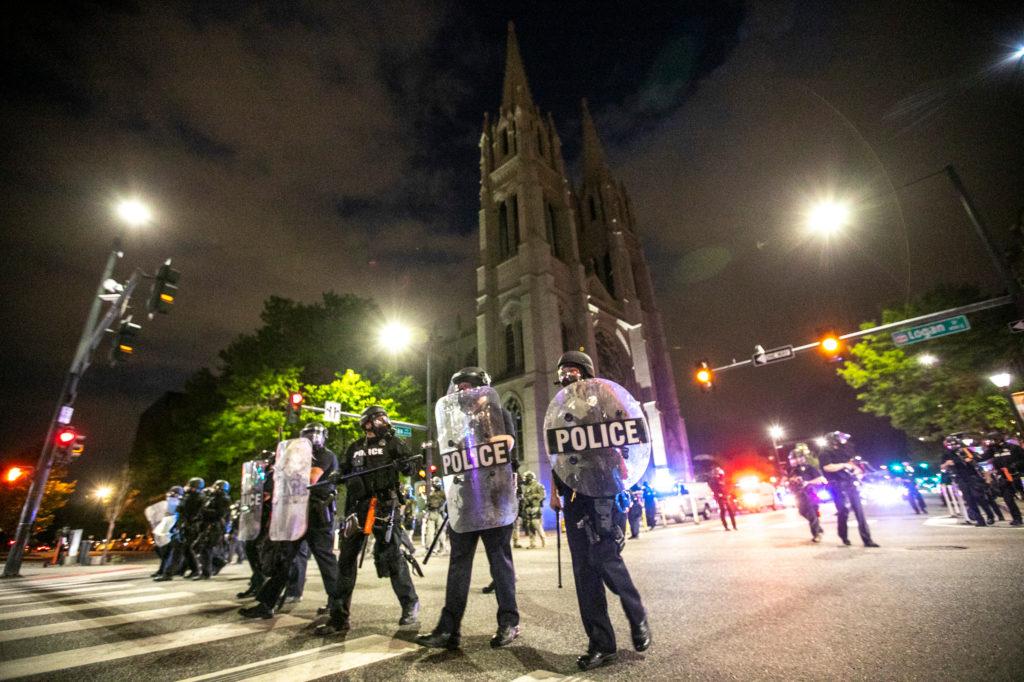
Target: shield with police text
474	460
161	519
597	437
250	509
290	507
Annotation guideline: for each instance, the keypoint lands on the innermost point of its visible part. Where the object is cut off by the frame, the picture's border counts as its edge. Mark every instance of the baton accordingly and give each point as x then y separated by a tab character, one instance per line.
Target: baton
335	477
437	536
558	544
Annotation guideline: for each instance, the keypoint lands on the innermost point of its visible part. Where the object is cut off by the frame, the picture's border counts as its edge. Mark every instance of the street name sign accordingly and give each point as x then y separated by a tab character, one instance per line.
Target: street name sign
1017	326
931	330
765	357
402	431
332	412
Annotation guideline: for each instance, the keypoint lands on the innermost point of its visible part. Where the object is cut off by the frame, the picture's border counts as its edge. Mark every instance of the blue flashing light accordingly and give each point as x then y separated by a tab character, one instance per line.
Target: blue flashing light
663	481
896	467
922	465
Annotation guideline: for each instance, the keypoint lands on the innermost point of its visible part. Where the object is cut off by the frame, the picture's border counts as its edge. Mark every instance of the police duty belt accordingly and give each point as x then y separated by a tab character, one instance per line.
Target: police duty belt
584	437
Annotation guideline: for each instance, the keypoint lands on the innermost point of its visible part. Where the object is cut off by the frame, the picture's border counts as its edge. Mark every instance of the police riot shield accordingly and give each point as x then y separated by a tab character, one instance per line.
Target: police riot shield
475	460
161	518
597	437
250	509
289	508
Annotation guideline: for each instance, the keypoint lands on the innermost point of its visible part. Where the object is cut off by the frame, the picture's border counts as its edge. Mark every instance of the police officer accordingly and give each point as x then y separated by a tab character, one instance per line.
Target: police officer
636	511
534	495
173	497
597	564
434	521
319	531
213	520
723	497
802	479
1007	461
841	472
372	505
185	532
913	494
961	461
498	547
256	550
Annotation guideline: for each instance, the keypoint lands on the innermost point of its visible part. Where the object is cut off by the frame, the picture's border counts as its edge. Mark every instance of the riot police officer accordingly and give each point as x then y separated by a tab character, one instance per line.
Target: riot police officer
497	545
802	479
961	461
914	496
163	551
636	511
593	528
319	531
1007	460
434	518
841	472
723	497
213	520
534	495
372	505
185	532
256	549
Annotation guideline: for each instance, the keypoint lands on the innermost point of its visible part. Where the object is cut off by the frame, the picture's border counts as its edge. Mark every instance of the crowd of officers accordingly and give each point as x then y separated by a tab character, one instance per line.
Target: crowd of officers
200	537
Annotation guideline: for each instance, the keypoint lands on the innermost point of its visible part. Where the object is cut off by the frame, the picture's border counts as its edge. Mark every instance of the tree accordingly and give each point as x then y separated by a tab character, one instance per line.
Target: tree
55	496
119	499
954	394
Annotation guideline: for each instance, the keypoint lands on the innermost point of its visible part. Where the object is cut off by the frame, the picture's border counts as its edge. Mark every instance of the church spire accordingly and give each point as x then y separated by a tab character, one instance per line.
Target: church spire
516	89
594	164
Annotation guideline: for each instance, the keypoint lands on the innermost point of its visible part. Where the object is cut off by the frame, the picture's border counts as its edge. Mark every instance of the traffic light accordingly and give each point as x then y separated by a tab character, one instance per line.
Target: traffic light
66	437
295	400
161	296
831	346
77	447
705	376
124	340
15	474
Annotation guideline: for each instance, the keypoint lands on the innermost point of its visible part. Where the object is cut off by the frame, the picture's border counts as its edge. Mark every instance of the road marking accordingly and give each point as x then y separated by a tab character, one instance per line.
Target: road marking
546	676
957	522
104	653
59	597
313	663
110	621
65	608
111	575
70	590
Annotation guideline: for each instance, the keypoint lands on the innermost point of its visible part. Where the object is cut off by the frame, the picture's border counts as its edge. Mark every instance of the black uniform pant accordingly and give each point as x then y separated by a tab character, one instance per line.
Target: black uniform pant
976	501
808	508
297	575
388	559
916	499
651	511
594	567
726	506
635	516
846	497
460	570
181	556
321	545
252	553
1005	491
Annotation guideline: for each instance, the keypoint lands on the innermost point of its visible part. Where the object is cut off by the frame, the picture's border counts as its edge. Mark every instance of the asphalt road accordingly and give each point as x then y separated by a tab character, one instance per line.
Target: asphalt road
936	601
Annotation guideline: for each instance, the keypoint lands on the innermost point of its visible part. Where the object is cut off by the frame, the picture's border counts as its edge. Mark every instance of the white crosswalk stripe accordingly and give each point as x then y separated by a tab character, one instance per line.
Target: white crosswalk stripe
60	597
313	663
69	590
104	653
68	580
547	676
65	608
116	619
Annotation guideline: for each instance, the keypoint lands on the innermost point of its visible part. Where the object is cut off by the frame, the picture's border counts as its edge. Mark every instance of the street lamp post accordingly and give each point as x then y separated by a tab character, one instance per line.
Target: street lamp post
775	432
396	338
133	213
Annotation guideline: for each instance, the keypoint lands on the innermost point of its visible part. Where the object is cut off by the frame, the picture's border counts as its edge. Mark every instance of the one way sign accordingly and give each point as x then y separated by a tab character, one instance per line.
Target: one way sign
1017	326
762	357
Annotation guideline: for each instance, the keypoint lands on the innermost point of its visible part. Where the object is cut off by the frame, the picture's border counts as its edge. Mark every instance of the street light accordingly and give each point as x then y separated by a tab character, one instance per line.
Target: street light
821	441
776	432
395	337
103	492
1001	380
828	217
133	212
927	359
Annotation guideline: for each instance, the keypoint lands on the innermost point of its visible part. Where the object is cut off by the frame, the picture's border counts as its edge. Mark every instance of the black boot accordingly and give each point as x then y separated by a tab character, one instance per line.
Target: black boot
504	636
410	614
641	636
441	640
595	659
330	628
258	611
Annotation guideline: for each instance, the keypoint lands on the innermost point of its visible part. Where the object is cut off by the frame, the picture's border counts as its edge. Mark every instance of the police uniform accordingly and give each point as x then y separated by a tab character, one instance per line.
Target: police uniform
913	494
534	496
433	520
319	537
807	504
636	512
843	487
972	486
183	536
213	520
1007	462
256	551
723	498
381	490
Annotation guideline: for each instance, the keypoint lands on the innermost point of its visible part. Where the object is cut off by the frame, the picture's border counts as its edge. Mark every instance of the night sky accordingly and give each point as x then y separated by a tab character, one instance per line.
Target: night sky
295	148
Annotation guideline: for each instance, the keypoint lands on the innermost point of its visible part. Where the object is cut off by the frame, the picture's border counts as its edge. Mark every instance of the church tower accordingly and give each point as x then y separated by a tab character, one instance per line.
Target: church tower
561	270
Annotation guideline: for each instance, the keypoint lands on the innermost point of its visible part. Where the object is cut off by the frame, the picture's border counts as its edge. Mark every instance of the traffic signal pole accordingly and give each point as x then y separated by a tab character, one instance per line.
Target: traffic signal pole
90	336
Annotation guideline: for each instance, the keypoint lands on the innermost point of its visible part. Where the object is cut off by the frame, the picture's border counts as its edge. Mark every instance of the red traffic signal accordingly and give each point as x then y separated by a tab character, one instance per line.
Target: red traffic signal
295	400
15	474
66	437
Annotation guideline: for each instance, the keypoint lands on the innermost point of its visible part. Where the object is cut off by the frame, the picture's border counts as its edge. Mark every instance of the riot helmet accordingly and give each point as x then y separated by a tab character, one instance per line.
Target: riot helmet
476	377
994	438
718	473
222	485
837	439
436	482
175	491
573	366
528	477
196	483
798	455
375	419
952	442
315	433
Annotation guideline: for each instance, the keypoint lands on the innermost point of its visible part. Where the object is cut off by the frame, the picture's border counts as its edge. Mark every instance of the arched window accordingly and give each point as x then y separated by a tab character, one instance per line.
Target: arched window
504	142
553	232
514	348
516	410
503	231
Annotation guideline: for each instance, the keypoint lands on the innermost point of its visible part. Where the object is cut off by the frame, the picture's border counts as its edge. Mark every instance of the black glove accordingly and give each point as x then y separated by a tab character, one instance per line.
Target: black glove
356	488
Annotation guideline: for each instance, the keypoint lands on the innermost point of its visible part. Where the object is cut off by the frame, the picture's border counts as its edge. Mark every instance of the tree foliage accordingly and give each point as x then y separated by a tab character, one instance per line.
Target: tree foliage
56	495
928	402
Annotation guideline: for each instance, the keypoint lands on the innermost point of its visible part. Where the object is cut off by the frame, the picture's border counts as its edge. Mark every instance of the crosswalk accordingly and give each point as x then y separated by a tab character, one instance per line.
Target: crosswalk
102	626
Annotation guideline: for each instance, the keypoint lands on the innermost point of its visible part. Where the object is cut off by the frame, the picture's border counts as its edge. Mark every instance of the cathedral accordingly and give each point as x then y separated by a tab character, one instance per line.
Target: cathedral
561	268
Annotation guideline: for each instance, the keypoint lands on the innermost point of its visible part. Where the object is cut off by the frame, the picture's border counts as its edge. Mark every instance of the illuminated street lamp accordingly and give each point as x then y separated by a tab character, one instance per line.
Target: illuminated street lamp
1000	380
828	217
927	359
821	441
775	432
103	493
133	212
394	337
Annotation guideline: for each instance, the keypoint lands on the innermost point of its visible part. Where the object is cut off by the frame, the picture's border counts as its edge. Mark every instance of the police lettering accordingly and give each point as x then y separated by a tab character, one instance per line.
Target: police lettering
480	456
581	438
